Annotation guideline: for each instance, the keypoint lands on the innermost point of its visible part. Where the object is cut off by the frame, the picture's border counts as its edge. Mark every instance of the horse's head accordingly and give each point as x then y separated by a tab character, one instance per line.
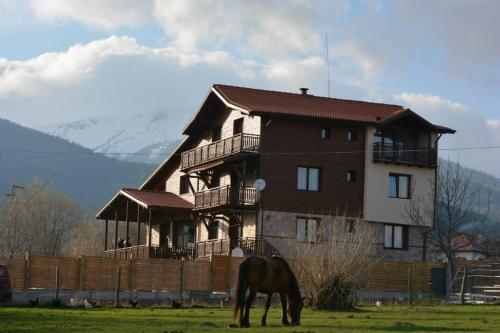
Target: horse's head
294	310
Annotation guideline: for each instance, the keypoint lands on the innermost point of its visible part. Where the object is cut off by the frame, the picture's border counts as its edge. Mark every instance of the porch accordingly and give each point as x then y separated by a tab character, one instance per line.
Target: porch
167	220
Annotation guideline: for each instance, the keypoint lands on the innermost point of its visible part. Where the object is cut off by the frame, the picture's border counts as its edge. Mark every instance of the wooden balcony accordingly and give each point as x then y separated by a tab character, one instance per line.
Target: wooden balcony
150	252
232	146
225	196
401	154
249	245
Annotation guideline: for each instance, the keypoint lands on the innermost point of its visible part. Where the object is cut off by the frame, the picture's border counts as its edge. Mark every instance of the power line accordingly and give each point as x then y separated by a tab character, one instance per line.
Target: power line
389	151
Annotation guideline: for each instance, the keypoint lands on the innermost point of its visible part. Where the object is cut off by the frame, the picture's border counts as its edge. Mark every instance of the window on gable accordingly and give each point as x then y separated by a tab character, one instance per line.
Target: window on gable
326	133
216	133
351	176
238	126
395	237
307	229
308	179
399	186
184	184
352	135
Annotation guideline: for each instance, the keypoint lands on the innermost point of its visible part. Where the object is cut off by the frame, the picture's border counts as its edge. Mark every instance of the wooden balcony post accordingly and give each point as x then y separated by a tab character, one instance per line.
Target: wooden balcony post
116	228
106	237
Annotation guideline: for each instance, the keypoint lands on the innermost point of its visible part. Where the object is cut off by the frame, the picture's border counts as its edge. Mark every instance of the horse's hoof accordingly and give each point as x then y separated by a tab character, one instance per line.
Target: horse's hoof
232	326
285	323
263	323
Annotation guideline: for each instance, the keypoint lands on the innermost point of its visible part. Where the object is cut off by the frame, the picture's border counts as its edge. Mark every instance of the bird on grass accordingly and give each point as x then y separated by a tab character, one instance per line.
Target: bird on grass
75	303
87	304
176	304
133	302
34	301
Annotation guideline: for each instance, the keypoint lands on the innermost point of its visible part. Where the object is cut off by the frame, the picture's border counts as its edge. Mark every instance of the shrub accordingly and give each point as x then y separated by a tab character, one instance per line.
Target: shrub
337	293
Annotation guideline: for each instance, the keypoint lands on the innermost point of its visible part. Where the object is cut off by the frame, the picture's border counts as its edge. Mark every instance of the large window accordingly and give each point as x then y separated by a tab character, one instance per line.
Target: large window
307	229
399	186
308	179
395	237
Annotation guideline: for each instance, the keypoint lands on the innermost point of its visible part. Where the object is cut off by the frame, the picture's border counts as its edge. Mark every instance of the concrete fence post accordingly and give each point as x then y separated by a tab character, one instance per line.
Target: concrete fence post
117	288
57	283
181	277
462	288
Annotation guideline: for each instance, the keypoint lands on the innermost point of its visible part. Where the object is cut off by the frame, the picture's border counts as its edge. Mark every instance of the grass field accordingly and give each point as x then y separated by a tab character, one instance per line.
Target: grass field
367	319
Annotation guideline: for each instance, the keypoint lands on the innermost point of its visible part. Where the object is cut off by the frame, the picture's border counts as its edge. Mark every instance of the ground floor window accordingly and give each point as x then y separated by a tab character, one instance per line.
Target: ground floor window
396	237
307	229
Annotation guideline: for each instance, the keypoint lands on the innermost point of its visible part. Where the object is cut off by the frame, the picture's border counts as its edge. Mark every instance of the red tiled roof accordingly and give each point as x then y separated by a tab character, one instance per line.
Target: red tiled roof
259	101
463	242
158	198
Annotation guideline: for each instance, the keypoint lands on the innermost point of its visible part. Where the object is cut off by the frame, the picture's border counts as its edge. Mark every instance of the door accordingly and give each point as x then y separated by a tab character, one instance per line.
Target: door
234	233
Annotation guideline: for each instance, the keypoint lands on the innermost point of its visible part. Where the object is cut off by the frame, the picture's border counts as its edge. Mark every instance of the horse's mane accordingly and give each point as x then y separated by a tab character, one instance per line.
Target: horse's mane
294	286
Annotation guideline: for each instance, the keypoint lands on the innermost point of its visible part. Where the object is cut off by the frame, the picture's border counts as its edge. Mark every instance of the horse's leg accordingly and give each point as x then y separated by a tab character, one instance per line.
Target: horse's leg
268	304
248	304
284	313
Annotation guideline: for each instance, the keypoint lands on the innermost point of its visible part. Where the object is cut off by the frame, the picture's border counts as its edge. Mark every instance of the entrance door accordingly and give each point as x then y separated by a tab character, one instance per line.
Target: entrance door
165	234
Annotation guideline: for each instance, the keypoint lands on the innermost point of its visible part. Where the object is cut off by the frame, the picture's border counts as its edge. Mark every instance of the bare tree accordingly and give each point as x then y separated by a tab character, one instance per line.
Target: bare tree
39	220
339	252
460	204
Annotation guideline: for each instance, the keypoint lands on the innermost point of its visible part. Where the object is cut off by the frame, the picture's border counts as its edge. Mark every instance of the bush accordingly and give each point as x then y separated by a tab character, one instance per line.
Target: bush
337	293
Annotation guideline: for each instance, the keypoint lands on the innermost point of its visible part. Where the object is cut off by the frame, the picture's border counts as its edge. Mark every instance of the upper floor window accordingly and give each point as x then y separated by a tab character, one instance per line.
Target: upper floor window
308	178
213	230
351	176
238	126
326	133
399	186
352	135
395	237
184	184
216	133
307	229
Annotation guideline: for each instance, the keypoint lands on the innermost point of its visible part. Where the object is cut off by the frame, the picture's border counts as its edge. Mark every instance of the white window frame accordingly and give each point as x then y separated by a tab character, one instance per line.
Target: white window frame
390	231
308	231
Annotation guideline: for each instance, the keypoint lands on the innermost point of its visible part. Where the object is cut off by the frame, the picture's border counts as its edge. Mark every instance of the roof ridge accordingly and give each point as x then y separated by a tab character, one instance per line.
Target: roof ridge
299	94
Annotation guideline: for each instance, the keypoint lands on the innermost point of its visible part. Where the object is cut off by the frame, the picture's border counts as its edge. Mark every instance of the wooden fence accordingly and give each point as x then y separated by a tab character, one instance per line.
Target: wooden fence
217	274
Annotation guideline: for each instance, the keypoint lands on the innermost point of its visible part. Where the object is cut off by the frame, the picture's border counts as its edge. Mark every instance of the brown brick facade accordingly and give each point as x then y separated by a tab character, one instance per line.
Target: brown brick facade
290	143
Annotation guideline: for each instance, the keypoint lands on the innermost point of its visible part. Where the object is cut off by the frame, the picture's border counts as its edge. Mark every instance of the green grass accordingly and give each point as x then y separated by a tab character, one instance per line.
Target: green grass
367	319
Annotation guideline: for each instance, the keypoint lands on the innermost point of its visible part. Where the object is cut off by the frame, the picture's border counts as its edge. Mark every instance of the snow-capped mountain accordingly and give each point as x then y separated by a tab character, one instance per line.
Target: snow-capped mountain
140	138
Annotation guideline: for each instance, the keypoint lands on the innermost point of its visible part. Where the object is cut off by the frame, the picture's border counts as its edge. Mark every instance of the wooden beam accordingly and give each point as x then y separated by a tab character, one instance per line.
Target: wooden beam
116	228
106	237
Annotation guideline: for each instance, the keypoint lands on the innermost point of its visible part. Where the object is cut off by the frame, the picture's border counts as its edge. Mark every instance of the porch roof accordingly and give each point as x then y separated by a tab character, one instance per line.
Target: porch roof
146	199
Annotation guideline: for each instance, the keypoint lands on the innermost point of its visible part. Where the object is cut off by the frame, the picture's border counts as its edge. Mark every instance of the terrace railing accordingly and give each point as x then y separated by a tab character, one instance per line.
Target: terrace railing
151	252
397	153
225	195
240	143
249	245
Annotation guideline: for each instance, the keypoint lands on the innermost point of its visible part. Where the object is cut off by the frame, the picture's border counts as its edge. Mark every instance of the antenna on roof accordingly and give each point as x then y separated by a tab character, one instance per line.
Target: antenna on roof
327	62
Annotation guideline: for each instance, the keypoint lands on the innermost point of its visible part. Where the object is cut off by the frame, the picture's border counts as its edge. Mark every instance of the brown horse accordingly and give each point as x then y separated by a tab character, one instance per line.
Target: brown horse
267	276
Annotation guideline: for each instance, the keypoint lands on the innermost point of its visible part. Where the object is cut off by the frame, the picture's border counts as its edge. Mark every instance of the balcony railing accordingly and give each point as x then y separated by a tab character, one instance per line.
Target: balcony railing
151	252
249	245
225	195
397	153
241	143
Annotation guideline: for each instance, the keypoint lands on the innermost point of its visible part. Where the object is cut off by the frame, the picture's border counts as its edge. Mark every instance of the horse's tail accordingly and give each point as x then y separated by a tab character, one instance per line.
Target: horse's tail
241	289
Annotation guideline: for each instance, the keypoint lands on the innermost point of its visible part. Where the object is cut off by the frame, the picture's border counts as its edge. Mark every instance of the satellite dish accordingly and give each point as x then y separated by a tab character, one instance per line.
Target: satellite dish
237	252
260	185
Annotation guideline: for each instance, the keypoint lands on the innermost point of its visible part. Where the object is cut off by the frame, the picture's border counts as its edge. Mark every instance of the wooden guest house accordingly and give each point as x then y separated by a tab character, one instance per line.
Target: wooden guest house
318	160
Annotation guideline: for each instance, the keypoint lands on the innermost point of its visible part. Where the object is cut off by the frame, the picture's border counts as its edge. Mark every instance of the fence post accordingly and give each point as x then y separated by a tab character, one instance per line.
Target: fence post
462	288
27	273
57	283
181	274
81	275
117	288
409	285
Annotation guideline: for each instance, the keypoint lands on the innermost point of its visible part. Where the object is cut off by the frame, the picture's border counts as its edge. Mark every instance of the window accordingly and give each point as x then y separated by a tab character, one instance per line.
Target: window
395	237
184	184
352	135
351	176
213	230
308	178
399	186
216	133
238	126
326	133
307	229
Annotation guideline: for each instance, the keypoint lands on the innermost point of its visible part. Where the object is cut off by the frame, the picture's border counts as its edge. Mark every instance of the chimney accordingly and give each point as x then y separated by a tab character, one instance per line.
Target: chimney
303	91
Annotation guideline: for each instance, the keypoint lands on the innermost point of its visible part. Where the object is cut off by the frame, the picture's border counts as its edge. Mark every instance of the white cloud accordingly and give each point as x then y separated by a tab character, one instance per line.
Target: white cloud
473	130
106	14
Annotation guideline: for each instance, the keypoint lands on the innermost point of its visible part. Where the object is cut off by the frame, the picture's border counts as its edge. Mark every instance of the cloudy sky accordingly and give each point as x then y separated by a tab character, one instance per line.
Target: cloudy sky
62	61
